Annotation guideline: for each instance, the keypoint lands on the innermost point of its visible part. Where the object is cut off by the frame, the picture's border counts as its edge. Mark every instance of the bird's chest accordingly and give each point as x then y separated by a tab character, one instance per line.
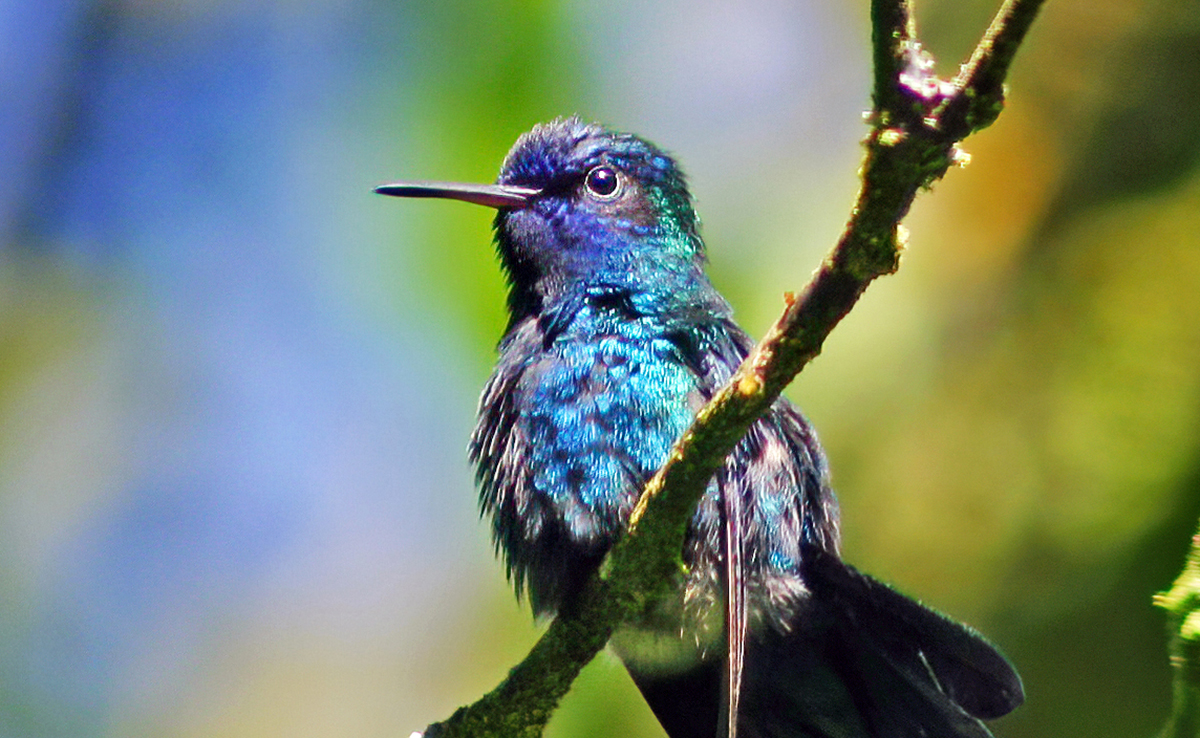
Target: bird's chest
601	409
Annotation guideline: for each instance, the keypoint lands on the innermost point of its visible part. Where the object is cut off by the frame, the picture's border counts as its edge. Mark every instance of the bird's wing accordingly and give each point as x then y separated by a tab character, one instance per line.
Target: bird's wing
964	666
538	553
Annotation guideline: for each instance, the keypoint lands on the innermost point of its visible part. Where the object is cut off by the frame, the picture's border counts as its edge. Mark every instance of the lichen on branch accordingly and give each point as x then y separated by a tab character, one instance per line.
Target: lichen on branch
1182	603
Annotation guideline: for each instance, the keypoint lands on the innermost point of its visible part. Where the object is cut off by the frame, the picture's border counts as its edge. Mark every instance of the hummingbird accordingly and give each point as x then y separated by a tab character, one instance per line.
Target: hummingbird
616	338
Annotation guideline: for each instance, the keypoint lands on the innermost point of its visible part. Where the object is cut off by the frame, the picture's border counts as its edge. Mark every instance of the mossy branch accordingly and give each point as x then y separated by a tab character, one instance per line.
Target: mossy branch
917	121
1182	603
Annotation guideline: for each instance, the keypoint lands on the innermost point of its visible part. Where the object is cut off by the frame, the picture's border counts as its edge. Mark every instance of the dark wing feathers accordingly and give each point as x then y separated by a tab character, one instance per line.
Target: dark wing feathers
860	661
970	671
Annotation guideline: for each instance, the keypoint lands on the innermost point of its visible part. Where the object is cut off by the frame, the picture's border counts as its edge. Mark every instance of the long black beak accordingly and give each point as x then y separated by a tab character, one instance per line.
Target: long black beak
494	196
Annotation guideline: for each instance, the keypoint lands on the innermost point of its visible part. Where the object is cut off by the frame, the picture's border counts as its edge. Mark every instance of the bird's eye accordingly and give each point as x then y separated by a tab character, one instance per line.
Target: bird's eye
602	182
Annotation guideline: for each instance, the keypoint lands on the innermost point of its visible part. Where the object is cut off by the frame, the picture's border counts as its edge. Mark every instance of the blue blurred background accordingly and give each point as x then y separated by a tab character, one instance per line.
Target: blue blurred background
236	387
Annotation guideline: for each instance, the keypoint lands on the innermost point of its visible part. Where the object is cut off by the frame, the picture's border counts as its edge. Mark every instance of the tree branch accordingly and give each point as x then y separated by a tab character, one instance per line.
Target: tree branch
987	68
892	30
1182	603
917	121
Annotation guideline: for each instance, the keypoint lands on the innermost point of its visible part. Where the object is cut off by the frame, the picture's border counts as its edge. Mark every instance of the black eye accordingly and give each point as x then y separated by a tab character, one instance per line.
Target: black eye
602	181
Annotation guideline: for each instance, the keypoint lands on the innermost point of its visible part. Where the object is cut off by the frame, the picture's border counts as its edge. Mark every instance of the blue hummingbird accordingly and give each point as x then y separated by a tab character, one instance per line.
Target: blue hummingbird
615	339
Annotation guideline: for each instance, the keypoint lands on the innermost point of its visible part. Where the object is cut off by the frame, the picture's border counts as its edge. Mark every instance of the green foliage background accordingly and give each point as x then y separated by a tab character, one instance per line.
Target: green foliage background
1012	419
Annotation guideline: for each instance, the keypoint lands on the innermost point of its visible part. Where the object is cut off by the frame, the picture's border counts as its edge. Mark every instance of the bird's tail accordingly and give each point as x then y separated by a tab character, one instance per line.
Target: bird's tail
860	661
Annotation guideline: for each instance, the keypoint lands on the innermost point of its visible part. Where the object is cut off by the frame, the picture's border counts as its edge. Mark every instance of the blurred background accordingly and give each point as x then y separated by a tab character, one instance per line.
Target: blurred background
236	387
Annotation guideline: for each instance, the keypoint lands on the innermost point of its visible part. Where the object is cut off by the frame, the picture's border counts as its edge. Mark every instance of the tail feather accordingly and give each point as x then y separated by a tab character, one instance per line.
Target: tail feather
971	672
860	661
736	615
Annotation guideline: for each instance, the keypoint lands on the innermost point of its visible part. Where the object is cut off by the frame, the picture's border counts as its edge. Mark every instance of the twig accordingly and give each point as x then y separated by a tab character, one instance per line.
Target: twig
987	69
918	119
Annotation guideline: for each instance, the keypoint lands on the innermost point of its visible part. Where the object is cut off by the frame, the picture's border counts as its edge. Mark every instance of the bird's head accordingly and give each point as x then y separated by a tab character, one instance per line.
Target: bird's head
582	207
